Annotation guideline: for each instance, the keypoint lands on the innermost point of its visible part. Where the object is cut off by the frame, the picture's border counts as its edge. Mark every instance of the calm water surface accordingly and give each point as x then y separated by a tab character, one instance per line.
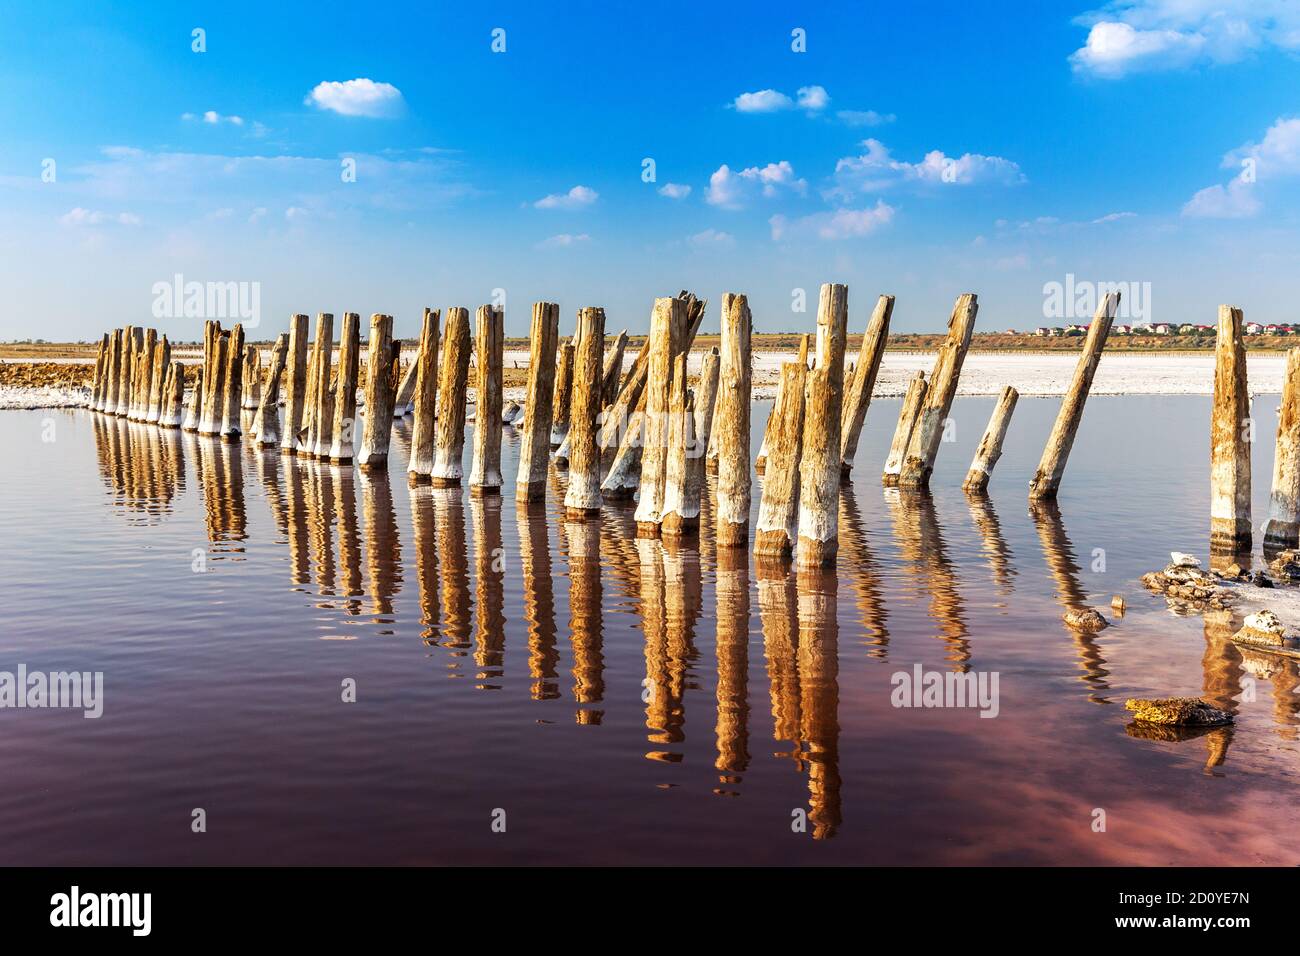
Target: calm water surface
622	701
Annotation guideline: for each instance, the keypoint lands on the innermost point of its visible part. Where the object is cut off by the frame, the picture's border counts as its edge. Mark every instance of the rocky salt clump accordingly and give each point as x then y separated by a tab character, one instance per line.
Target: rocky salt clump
1184	582
1085	619
1177	711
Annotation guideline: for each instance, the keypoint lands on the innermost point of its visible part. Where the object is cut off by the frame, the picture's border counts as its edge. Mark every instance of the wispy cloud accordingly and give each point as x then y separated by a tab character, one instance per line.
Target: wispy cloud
735	190
563	239
864	117
1276	156
674	190
575	198
80	216
762	101
359	97
839	224
711	239
876	169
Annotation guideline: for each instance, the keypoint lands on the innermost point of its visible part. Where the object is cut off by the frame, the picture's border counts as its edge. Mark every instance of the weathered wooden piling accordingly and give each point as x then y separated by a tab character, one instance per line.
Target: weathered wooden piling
162	360
667	330
112	372
907	416
382	357
97	383
214	386
731	423
990	446
134	345
143	377
295	384
705	401
918	463
684	475
819	467
583	497
1047	480
231	427
1230	439
405	391
194	410
173	397
345	389
424	400
857	394
534	444
251	388
266	420
320	397
1283	527
563	394
489	351
769	430
449	445
778	510
612	372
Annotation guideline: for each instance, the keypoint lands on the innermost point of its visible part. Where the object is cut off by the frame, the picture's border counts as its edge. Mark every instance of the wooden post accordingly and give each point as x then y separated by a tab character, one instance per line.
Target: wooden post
1283	527
266	421
1230	440
174	397
214	385
113	372
684	476
990	447
667	330
907	416
295	381
778	509
406	391
857	396
345	389
769	430
583	496
194	410
162	360
230	424
143	377
563	395
534	445
731	422
706	399
1047	480
485	462
918	463
819	467
449	445
134	343
613	370
252	378
319	397
97	383
425	399
382	356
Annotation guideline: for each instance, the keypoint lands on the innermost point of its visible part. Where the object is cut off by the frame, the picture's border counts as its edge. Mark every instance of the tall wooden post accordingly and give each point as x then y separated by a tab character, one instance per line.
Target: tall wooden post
778	509
97	383
113	372
174	397
534	445
230	424
857	396
295	383
143	377
769	430
266	421
320	399
1047	480
449	447
382	356
918	464
345	389
563	395
819	469
194	409
667	330
1230	440
707	397
684	475
489	349
907	416
731	423
162	360
1283	527
425	399
214	386
252	378
613	370
990	446
583	496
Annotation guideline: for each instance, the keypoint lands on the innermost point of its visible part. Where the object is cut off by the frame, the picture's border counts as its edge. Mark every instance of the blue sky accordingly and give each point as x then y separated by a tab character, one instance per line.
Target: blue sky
918	149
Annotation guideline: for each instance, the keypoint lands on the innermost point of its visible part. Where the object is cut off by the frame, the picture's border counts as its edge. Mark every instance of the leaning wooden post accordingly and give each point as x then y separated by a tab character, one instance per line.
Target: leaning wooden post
345	389
489	350
667	329
1283	527
918	464
1047	480
266	420
295	383
406	391
252	378
230	424
449	445
563	394
534	445
583	496
684	475
174	397
706	399
769	430
913	399
990	447
819	469
857	396
381	388
778	509
612	371
731	423
1230	440
214	386
425	399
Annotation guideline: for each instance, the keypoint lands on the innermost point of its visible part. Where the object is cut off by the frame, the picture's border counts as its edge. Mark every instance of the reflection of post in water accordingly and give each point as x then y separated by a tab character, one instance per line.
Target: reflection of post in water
453	567
778	612
320	521
142	466
383	549
662	687
995	545
733	667
916	527
1283	675
424	527
489	579
539	598
295	519
1224	668
585	619
1059	554
221	475
349	534
819	697
856	558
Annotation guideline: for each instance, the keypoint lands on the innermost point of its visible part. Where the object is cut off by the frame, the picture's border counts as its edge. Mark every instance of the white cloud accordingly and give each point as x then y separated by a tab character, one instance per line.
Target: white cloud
840	224
763	101
575	198
294	213
864	117
733	190
876	169
359	97
80	216
1276	156
1135	35
1113	217
1235	201
212	118
711	239
675	190
813	98
563	239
